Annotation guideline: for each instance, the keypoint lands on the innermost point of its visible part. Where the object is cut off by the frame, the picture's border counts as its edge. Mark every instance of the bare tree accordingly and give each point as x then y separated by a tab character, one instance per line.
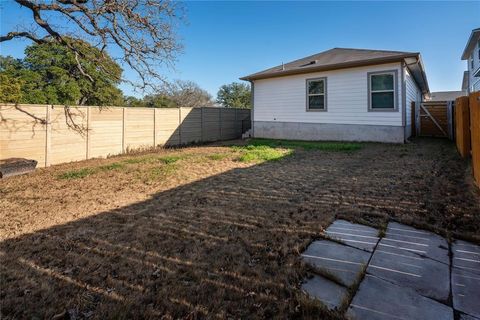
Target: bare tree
142	31
187	94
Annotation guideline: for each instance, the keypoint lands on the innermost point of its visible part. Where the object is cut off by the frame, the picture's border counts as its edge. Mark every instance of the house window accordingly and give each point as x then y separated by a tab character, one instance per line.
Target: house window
382	91
317	94
471	62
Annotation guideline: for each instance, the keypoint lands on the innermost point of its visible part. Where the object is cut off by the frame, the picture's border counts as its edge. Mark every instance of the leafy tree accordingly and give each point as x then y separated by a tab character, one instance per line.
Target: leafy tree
142	33
10	89
150	101
235	95
49	74
159	101
133	102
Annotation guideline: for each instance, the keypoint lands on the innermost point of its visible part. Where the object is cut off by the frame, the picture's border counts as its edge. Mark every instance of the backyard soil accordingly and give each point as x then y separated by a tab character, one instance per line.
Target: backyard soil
203	235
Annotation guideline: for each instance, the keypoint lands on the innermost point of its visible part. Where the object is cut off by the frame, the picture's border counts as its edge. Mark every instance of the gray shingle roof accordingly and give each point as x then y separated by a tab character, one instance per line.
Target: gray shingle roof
446	95
335	58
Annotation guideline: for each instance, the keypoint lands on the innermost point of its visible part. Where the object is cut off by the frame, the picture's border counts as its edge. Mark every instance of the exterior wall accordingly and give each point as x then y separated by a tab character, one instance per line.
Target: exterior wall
412	94
328	131
283	100
476	85
474	82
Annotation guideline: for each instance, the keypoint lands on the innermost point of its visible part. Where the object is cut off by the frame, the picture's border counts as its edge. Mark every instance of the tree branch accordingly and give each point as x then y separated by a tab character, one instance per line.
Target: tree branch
24	34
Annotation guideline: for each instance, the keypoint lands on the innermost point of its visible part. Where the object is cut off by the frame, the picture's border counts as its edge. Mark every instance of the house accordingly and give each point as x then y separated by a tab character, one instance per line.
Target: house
339	94
472	55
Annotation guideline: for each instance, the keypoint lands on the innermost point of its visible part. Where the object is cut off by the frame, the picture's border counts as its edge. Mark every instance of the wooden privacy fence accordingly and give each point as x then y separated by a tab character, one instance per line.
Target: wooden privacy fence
58	134
467	127
433	119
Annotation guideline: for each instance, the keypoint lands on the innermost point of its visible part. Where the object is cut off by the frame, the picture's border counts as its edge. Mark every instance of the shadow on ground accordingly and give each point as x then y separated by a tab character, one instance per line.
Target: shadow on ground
229	245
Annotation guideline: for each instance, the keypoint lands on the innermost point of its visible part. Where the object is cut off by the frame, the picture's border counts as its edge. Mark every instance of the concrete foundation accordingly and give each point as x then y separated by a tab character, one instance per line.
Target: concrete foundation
327	131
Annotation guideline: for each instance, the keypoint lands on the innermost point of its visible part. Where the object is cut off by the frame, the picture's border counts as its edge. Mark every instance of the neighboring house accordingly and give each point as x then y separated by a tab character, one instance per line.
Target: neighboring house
466	76
339	94
446	95
472	55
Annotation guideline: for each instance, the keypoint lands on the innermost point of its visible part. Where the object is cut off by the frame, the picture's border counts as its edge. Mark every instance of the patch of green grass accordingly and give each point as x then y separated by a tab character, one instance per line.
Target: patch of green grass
137	160
159	172
76	174
352	290
84	172
307	145
112	166
252	153
382	231
170	159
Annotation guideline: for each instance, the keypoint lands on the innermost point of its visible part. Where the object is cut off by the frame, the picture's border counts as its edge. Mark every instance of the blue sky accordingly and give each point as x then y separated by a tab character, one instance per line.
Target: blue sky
224	40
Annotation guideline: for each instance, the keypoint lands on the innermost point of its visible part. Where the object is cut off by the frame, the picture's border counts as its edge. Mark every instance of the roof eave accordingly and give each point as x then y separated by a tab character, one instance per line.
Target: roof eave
417	70
470	42
336	66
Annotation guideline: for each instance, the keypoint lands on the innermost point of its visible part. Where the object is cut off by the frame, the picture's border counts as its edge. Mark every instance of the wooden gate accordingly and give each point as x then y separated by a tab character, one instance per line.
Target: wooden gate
434	119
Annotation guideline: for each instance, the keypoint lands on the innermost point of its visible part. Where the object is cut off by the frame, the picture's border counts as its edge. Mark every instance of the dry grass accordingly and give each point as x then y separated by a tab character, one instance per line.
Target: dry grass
196	233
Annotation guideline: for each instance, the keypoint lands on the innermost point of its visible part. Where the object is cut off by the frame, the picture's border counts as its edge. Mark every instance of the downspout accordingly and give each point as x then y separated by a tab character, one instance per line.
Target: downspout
404	102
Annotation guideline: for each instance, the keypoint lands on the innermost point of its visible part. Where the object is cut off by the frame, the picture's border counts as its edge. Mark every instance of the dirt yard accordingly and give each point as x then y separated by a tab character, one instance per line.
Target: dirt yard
210	231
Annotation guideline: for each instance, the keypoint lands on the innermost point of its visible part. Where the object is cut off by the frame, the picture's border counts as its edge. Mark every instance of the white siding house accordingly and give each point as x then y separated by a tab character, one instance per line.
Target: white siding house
318	98
472	55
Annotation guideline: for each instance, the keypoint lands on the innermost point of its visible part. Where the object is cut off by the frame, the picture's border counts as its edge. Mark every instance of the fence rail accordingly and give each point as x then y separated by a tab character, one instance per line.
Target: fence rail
467	128
58	134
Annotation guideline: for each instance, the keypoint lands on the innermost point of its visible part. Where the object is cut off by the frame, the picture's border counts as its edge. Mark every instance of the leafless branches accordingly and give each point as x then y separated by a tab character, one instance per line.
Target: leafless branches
139	34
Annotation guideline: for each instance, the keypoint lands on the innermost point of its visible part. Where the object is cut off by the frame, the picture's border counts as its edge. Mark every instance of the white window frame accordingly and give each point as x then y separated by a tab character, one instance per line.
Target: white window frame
394	73
324	94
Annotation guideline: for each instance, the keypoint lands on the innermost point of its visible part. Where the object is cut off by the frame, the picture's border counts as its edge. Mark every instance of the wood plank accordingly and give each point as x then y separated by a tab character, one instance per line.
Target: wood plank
474	103
462	126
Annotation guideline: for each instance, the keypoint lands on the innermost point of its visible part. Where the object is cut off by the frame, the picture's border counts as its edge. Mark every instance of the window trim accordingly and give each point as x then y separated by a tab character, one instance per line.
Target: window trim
395	90
307	94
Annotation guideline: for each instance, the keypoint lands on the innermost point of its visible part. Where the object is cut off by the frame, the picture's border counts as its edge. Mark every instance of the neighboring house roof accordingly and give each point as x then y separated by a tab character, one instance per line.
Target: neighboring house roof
339	58
472	41
446	95
466	76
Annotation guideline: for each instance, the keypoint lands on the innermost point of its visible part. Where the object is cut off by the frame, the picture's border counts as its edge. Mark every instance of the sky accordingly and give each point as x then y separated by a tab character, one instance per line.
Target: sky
225	40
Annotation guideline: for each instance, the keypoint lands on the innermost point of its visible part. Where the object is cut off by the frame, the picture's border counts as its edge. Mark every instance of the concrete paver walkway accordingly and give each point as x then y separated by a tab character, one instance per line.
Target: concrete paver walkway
343	262
407	274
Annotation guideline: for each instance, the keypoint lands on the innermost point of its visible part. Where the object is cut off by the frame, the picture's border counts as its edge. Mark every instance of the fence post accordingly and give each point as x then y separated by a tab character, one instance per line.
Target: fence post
154	127
462	126
417	118
124	126
201	124
180	125
220	123
48	137
236	123
474	104
450	119
89	115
